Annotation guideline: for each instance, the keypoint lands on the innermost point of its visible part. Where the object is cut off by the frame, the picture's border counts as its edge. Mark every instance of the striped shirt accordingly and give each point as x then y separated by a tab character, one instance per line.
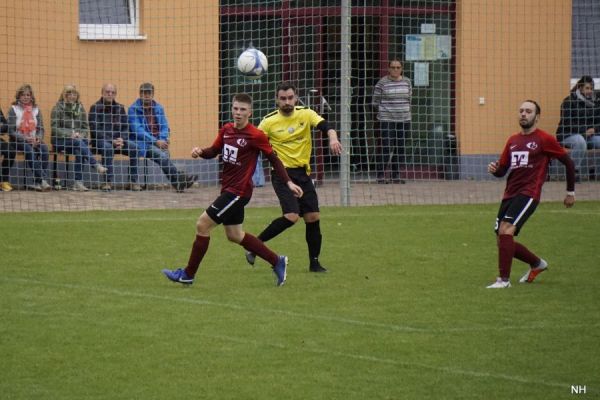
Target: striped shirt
392	99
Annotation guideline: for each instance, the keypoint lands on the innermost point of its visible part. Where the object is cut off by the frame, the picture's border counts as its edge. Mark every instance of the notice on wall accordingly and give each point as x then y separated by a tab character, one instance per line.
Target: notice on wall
421	74
428	47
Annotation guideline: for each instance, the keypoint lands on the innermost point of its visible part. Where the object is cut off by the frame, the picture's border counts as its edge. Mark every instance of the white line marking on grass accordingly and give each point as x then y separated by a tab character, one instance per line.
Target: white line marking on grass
349	321
360	357
448	370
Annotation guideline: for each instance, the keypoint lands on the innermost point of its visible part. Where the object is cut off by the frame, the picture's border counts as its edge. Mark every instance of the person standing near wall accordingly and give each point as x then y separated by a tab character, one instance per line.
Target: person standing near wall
391	98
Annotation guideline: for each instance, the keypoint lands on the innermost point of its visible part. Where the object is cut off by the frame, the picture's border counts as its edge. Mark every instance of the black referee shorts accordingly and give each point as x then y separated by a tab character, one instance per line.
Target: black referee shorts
309	202
516	211
228	209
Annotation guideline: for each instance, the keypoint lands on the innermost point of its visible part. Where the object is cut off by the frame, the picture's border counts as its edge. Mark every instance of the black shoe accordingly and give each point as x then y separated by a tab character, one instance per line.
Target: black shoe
184	182
317	268
398	180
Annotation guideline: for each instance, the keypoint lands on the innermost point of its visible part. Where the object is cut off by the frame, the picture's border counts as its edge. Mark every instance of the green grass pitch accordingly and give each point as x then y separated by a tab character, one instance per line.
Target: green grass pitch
402	314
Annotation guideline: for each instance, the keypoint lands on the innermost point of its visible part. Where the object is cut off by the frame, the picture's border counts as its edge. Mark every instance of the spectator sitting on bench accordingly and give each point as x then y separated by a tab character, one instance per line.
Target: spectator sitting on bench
70	134
150	130
579	127
26	131
8	153
110	134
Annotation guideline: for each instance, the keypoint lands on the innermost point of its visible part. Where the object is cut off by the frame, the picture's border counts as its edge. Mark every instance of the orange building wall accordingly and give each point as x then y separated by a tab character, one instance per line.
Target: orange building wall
509	51
39	45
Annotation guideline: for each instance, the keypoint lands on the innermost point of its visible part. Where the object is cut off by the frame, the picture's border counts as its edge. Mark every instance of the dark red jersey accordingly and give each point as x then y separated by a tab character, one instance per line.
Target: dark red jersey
528	157
239	152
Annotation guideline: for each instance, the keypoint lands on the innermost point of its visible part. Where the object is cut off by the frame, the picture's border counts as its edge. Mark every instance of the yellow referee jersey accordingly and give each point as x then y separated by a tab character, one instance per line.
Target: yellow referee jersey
290	136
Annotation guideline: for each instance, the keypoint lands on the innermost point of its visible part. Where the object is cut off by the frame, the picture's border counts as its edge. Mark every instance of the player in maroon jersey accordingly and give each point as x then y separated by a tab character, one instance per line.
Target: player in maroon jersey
239	144
527	155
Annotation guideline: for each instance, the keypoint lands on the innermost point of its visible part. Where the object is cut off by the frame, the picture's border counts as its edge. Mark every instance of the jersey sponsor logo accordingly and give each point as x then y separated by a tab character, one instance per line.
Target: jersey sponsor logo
532	145
230	154
290	130
242	142
519	159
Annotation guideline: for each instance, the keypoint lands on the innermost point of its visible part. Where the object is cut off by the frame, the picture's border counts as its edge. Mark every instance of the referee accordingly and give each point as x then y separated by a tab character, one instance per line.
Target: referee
289	130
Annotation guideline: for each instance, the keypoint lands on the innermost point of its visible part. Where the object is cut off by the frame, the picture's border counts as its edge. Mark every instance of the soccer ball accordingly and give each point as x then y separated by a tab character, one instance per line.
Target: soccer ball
252	63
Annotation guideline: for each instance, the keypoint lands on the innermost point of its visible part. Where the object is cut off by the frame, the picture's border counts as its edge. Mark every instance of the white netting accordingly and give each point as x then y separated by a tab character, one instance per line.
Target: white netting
470	64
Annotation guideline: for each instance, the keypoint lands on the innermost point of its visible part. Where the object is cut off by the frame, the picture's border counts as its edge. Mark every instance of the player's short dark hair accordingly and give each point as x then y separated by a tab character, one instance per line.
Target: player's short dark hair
538	109
286	86
242	98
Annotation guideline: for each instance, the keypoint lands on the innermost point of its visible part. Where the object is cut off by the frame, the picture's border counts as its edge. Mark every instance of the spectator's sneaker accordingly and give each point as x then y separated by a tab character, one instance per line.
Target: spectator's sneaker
45	186
280	270
533	272
78	186
499	284
6	186
101	169
250	257
106	187
317	268
35	186
184	182
178	276
134	187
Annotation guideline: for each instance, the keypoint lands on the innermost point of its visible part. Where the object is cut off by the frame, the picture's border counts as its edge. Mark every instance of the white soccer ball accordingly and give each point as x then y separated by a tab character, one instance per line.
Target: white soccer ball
252	63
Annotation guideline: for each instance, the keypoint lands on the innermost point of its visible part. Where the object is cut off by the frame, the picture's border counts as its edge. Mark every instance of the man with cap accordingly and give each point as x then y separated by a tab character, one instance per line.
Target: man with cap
150	131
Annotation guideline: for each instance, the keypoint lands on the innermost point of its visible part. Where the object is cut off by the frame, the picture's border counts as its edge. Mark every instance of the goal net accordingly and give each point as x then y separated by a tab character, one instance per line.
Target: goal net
419	134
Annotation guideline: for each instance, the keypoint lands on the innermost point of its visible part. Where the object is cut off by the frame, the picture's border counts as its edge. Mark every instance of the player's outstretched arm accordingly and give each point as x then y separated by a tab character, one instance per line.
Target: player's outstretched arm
334	144
196	152
206	153
492	167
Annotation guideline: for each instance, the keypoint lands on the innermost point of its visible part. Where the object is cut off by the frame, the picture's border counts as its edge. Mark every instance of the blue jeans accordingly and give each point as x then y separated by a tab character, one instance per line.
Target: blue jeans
107	151
80	149
391	152
36	157
578	145
161	158
7	152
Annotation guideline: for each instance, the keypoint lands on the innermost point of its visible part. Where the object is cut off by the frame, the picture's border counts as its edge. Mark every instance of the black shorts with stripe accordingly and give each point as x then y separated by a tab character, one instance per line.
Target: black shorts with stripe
228	209
516	211
309	202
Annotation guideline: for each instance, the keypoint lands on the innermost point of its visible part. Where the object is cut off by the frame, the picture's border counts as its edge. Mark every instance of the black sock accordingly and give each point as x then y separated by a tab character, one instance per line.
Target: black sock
275	228
313	239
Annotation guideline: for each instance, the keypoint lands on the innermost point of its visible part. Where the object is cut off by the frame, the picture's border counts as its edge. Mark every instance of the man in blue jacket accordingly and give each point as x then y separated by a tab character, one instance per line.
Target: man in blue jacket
150	130
110	134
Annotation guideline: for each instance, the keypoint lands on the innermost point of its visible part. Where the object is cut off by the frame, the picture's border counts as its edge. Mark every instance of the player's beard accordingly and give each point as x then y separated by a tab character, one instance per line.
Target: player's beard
287	109
526	124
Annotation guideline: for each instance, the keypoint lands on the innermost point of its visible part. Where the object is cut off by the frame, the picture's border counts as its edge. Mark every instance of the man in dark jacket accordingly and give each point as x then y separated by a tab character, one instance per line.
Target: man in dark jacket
110	134
579	127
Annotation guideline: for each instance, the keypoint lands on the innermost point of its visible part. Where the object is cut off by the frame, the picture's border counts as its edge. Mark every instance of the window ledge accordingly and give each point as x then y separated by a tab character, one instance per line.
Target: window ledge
110	32
85	37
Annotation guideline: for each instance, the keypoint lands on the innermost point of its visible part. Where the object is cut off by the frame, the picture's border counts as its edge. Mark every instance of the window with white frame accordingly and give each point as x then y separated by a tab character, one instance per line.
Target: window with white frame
585	45
109	20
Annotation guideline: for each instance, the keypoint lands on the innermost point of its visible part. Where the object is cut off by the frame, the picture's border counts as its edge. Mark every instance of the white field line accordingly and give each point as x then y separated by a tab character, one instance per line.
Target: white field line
339	354
293	314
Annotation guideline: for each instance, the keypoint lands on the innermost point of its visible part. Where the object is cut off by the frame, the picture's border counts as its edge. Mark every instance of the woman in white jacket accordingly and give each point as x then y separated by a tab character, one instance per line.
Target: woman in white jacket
26	130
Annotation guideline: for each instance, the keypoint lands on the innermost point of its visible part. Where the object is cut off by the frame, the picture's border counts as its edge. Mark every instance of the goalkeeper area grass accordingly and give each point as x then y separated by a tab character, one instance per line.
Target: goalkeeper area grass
402	314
